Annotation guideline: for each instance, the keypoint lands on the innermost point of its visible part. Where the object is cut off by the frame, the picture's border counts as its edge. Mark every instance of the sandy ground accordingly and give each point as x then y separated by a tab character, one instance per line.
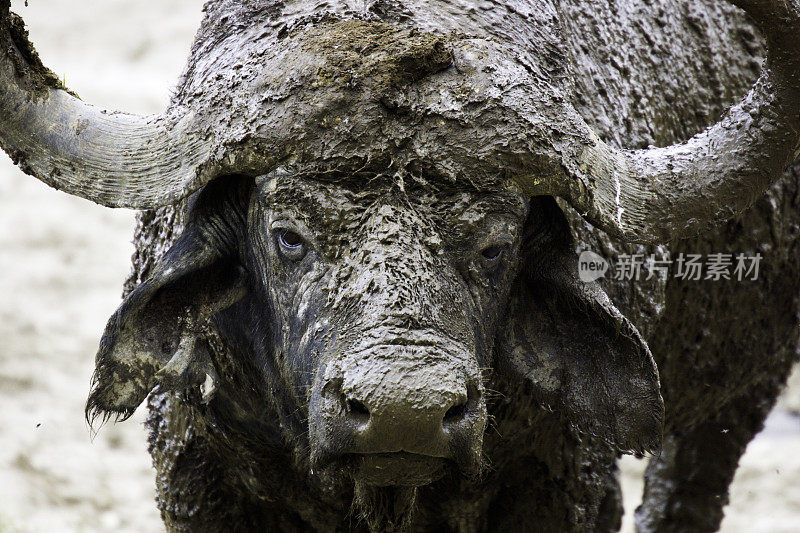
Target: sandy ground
62	263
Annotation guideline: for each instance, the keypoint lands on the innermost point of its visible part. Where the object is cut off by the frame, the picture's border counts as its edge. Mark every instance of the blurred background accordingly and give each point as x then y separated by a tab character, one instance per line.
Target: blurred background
62	264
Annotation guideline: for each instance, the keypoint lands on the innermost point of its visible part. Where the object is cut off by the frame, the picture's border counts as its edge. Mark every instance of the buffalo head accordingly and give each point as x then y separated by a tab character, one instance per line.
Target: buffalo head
371	312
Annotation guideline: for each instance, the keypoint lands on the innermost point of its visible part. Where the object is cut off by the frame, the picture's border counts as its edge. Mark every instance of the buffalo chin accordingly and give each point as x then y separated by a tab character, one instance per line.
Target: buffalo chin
398	469
385	509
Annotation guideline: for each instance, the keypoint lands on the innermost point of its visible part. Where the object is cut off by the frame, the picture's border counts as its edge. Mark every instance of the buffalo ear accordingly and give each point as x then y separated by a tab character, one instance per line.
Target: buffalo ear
581	356
154	336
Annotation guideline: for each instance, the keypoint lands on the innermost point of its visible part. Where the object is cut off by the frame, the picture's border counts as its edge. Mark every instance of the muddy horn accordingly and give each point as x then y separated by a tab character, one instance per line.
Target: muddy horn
658	194
651	195
111	158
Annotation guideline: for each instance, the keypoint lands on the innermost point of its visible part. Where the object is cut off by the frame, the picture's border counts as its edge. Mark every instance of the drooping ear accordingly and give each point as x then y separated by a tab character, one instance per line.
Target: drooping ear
580	355
153	338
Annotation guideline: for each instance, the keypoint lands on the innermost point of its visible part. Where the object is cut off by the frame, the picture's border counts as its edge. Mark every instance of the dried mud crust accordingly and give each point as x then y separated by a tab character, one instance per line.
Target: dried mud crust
374	54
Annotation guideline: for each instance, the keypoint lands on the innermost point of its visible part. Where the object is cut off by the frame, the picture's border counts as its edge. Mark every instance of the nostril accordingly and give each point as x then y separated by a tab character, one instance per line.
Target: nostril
356	409
461	409
456	412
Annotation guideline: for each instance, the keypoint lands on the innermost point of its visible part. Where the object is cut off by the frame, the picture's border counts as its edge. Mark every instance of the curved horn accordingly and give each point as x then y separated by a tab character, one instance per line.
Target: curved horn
114	159
659	194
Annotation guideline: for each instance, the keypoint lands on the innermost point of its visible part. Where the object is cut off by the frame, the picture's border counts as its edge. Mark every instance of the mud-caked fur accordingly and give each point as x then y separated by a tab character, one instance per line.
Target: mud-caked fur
541	341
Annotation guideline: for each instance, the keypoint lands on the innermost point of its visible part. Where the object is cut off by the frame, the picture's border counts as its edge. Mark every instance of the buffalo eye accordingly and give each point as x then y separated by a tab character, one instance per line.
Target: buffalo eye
491	257
291	244
493	253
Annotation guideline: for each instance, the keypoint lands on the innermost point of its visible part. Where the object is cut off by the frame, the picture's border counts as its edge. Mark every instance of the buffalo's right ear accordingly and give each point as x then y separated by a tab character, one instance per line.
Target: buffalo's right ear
580	355
153	338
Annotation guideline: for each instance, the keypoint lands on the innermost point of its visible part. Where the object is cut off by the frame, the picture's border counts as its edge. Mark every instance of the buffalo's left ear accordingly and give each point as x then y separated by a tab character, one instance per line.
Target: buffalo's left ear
154	337
569	341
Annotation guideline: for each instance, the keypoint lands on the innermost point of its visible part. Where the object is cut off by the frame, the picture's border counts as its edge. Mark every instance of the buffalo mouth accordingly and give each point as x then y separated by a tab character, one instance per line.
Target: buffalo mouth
397	469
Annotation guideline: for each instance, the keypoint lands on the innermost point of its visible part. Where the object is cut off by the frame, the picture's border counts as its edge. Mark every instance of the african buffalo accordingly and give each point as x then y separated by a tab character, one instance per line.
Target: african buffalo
372	317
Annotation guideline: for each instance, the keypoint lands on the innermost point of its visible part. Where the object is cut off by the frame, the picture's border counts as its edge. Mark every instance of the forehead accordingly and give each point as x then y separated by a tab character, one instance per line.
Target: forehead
345	201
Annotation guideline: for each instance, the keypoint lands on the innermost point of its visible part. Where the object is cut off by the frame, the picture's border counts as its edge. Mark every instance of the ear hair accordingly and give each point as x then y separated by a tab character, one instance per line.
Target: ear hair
579	353
154	338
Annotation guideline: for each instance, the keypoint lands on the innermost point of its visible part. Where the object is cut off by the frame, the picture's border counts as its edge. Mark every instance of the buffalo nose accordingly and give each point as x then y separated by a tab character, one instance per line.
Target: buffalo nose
422	420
